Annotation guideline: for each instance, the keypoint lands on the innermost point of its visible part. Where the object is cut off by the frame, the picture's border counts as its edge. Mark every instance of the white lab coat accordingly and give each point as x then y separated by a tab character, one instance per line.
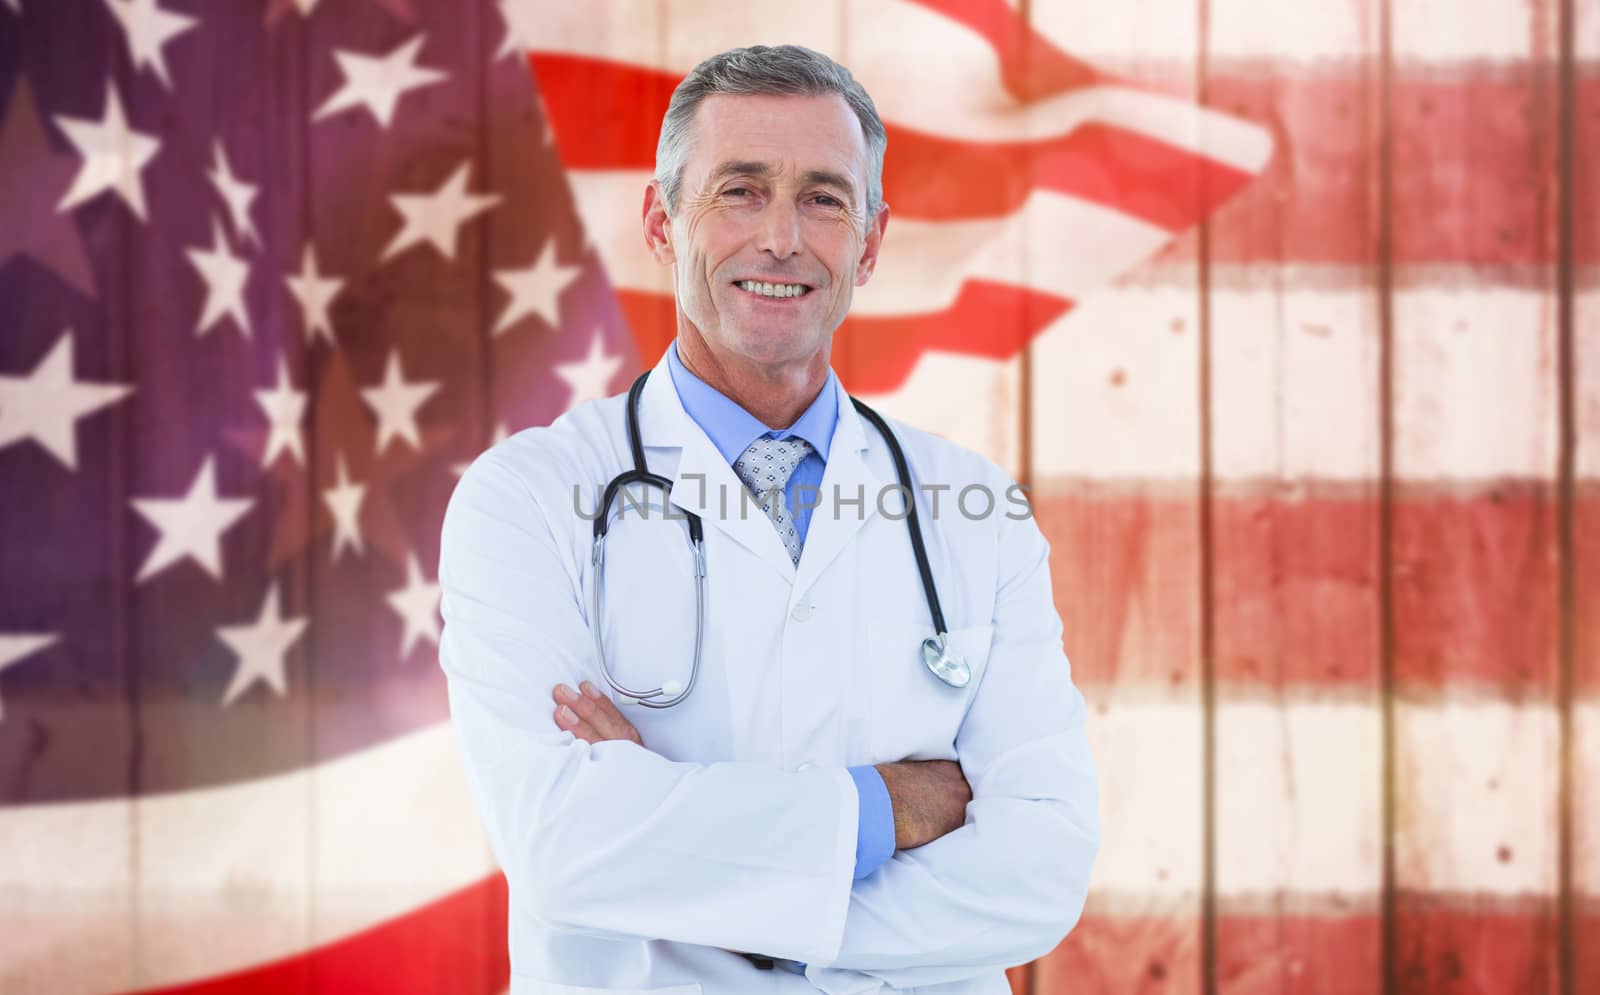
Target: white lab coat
637	869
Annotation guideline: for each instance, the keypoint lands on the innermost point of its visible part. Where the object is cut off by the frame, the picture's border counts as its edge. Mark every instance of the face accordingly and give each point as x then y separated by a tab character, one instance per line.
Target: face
773	191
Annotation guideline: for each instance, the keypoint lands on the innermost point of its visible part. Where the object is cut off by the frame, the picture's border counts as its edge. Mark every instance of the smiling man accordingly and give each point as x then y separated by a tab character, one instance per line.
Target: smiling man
831	745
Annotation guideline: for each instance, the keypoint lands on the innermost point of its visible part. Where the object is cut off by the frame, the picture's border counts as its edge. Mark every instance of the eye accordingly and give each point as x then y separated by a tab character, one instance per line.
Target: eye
832	201
734	190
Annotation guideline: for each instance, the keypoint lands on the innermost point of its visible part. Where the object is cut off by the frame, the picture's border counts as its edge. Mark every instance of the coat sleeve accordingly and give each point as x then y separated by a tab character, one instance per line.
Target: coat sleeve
1007	886
613	840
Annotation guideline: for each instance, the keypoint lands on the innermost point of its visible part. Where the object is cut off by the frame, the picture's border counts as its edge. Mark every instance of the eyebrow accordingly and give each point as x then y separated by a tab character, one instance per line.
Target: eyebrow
745	167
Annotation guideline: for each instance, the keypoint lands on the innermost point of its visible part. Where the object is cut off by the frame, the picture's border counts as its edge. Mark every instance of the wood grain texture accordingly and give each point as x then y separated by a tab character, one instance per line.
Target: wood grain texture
1295	559
1583	749
1474	593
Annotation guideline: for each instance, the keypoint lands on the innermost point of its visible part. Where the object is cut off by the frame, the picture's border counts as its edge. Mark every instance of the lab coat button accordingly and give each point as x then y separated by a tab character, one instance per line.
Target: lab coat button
801	611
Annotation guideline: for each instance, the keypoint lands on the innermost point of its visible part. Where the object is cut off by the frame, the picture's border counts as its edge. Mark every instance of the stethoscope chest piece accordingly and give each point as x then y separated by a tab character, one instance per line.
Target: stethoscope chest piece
947	666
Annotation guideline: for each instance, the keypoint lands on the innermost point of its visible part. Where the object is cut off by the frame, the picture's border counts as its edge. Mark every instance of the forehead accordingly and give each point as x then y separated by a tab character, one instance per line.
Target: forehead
796	133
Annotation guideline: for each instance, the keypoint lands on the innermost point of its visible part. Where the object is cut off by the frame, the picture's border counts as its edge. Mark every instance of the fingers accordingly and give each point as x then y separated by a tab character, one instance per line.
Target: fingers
591	716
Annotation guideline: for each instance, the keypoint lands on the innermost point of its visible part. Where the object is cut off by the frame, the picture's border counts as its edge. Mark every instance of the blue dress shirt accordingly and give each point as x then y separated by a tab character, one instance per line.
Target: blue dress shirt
731	429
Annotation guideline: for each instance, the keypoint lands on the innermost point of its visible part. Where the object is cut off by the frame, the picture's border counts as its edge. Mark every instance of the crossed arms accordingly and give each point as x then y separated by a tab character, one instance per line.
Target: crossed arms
606	838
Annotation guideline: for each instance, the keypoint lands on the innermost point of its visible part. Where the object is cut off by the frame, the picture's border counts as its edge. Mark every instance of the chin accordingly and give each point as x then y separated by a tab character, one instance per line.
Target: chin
768	349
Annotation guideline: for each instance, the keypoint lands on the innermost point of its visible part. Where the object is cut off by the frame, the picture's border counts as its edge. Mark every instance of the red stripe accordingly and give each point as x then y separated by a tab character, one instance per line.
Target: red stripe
1031	66
455	944
876	354
1473	171
1296	585
938	179
1451	949
925	176
1475	166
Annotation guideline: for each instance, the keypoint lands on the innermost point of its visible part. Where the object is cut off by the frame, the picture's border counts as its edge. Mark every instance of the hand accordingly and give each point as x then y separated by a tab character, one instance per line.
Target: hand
929	799
595	717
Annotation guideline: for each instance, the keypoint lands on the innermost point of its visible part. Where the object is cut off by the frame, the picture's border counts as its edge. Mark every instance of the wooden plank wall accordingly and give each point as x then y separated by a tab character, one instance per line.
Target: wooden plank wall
1335	620
1320	484
1579	242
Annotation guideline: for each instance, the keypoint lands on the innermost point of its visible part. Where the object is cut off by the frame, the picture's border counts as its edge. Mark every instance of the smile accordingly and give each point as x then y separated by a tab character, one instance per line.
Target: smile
777	290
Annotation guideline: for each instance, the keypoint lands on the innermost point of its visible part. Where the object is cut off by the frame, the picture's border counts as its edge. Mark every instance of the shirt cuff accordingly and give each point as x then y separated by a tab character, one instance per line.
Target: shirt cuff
875	832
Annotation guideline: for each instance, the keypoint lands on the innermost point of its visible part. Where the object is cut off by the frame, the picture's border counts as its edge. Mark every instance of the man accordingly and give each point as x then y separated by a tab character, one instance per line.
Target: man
819	811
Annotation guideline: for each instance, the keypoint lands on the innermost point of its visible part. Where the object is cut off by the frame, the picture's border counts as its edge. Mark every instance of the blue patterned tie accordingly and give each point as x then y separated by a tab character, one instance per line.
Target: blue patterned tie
765	468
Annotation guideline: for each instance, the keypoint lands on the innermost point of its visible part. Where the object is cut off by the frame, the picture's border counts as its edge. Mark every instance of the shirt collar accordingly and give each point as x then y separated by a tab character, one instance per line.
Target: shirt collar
731	428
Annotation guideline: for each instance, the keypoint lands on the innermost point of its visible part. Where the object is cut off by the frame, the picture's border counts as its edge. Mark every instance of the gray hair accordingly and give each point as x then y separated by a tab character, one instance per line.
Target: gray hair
765	69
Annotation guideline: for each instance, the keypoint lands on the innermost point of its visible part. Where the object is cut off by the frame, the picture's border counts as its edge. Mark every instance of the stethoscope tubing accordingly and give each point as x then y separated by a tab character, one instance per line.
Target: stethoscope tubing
946	668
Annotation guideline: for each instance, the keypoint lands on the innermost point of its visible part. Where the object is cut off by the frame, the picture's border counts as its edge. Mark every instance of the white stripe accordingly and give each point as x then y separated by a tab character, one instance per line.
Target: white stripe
1435	30
923	70
971	401
1147	756
1299	794
1586	797
1475	383
1168	30
226	878
1052	243
1116	387
1299	790
113	894
1295	383
1476	786
1586	345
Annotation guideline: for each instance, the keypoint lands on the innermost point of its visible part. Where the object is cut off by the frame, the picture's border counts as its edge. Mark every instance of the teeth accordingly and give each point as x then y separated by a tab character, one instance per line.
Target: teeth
773	289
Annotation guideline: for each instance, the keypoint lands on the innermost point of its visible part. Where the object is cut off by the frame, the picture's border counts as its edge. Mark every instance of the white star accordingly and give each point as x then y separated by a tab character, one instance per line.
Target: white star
590	377
225	275
396	403
436	216
522	24
418	605
284	406
344	500
378	81
534	290
16	645
235	193
112	154
314	292
46	404
191	525
260	648
500	433
146	28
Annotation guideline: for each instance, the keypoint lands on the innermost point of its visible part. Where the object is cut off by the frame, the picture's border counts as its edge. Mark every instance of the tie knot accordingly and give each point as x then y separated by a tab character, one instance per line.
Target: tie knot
767	463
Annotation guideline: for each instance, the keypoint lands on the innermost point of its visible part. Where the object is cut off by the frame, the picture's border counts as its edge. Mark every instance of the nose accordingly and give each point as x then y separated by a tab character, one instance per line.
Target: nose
778	230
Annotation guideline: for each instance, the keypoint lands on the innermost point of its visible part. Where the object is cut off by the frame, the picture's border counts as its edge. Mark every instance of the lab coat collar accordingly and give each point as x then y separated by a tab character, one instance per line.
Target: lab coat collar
702	477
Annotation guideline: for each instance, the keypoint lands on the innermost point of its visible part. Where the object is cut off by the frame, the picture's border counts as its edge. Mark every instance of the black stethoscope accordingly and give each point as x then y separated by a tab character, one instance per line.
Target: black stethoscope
943	662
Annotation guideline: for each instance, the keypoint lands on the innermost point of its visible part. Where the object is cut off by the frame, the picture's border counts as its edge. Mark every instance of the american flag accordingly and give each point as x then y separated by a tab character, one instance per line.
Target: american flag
272	272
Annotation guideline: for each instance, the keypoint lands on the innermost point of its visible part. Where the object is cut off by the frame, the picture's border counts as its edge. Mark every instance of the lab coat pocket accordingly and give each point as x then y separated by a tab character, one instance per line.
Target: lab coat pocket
915	715
521	984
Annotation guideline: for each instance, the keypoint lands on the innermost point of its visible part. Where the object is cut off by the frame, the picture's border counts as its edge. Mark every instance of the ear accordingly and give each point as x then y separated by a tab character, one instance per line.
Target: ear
657	225
869	252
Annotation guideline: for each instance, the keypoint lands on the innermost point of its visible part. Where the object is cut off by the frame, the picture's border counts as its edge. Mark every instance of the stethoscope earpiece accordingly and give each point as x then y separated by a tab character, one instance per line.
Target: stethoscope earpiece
948	666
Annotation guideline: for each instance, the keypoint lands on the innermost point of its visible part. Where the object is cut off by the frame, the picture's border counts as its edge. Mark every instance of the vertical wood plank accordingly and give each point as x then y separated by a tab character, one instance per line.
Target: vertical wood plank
1295	557
1115	458
398	840
198	381
1474	528
68	722
969	398
1583	747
